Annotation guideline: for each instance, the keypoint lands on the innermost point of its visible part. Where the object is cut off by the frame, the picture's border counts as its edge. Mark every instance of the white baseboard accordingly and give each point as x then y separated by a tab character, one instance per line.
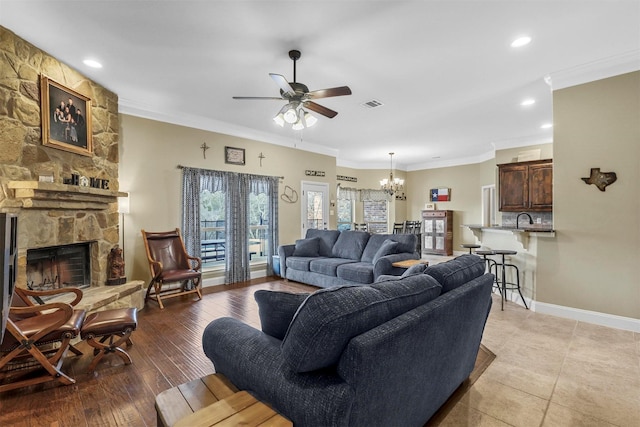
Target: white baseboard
219	280
597	318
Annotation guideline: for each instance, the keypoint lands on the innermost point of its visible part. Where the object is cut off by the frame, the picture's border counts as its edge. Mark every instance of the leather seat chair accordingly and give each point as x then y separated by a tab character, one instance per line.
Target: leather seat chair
170	263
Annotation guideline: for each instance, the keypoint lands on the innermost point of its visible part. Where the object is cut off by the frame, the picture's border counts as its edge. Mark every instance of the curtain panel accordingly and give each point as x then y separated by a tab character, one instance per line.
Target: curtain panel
237	228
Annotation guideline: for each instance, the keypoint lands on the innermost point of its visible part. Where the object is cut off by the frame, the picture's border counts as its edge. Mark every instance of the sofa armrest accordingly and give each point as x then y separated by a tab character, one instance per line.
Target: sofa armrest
284	251
384	265
252	361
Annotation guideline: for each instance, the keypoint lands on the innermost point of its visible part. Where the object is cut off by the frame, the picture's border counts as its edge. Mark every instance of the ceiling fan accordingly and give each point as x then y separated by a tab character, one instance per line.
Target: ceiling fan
298	96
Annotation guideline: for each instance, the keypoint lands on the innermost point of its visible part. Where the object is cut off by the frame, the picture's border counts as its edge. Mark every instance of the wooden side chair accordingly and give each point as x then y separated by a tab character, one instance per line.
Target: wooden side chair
37	339
170	263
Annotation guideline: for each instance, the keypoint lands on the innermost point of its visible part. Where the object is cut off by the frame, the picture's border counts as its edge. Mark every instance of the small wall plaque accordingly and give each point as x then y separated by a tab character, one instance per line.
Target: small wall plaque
313	173
234	156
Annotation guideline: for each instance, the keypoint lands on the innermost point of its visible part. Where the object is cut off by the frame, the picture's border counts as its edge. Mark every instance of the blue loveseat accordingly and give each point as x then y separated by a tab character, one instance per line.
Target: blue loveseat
389	354
328	258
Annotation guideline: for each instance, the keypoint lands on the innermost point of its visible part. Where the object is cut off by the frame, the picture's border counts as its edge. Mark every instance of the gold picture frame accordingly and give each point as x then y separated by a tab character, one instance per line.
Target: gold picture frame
66	118
234	156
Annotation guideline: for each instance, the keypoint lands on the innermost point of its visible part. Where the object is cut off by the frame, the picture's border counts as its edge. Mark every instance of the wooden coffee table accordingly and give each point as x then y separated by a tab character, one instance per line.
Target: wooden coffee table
409	262
213	401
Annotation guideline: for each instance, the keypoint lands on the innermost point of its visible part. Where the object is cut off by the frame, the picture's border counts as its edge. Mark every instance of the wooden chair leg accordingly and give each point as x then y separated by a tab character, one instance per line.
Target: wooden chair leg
51	364
101	348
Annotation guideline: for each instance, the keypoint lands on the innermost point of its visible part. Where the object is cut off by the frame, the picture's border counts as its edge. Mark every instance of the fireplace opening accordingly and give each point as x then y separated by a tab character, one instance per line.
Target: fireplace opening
59	267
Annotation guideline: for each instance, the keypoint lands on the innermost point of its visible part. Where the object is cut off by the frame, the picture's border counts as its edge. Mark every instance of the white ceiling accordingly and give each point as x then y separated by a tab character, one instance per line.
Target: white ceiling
450	83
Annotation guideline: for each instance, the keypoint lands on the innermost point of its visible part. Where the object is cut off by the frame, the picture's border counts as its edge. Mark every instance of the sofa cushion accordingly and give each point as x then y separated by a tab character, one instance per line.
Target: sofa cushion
329	318
307	247
388	247
327	266
361	272
327	239
276	309
299	263
350	245
456	272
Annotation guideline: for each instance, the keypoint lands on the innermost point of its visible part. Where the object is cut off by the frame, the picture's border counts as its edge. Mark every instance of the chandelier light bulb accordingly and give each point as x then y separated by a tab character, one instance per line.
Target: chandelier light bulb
391	185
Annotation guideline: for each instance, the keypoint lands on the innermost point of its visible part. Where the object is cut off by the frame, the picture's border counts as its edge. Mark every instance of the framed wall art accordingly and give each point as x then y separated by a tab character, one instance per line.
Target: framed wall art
66	118
234	156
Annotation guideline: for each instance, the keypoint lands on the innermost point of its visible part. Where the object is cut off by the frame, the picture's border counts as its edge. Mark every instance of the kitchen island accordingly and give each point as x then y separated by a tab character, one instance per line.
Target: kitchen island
524	240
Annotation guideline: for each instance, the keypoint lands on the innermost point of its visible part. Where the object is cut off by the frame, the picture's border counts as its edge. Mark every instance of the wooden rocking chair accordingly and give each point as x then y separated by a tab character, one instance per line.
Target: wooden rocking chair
170	263
37	338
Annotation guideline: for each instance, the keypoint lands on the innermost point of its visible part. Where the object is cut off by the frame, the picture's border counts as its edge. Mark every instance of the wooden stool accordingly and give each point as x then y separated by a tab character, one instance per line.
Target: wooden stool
108	325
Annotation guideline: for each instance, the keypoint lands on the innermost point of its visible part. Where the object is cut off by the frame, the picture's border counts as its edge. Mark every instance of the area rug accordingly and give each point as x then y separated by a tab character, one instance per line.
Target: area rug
484	359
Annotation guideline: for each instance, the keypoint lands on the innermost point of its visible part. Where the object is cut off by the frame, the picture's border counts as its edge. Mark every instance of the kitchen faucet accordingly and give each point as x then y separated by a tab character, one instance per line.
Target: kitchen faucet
518	218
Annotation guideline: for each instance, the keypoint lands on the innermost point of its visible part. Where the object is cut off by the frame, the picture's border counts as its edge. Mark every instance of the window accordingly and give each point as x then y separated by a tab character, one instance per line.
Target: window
345	214
375	215
258	221
212	227
212	217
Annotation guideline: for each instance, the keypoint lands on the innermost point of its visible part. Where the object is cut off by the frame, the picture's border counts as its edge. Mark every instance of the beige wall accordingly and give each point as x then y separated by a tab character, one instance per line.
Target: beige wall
588	265
592	264
465	183
150	154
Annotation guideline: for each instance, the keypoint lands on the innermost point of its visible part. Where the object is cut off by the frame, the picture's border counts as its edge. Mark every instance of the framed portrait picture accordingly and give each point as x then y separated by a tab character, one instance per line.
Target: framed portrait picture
66	118
234	156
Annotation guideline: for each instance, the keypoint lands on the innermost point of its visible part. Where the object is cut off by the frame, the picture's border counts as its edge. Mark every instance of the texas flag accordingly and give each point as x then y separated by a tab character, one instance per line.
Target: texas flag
440	195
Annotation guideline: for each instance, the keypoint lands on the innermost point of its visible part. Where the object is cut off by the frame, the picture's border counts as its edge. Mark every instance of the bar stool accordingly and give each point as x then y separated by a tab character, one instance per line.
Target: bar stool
490	264
503	273
470	246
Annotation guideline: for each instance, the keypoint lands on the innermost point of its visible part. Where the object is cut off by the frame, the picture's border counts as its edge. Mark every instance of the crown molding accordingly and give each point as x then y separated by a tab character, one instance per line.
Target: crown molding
596	70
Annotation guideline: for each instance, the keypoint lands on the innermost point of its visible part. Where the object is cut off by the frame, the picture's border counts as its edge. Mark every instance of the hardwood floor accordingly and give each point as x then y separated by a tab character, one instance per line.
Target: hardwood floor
167	351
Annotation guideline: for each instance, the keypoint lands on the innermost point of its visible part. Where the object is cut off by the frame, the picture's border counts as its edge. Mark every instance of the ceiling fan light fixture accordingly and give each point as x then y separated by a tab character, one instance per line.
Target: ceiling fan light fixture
279	119
309	119
291	115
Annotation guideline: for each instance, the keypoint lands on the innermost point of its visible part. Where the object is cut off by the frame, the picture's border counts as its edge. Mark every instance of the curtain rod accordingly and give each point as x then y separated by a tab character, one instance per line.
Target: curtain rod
182	167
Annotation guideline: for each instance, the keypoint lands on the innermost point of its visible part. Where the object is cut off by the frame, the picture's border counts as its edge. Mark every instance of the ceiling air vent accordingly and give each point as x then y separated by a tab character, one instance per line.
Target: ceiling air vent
374	103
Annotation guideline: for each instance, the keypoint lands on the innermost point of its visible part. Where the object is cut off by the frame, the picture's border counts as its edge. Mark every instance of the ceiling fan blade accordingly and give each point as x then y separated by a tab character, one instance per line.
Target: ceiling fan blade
326	93
258	97
283	84
320	109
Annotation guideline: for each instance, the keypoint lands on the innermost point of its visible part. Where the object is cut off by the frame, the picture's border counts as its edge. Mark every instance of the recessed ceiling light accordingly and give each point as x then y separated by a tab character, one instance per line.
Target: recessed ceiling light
546	126
92	63
521	41
528	102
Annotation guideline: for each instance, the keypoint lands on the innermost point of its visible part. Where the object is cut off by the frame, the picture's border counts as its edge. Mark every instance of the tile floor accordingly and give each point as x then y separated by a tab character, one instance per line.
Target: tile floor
551	371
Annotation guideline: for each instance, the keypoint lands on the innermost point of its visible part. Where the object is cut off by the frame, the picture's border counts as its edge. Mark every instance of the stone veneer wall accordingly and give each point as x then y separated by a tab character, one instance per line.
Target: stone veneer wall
24	158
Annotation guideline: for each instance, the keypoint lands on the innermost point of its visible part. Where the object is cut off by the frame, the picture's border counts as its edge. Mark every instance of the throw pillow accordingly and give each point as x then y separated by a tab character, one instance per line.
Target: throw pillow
276	309
387	247
414	269
307	247
329	318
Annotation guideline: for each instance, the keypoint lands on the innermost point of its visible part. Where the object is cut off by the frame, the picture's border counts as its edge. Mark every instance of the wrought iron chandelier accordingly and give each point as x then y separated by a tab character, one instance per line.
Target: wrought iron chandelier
391	185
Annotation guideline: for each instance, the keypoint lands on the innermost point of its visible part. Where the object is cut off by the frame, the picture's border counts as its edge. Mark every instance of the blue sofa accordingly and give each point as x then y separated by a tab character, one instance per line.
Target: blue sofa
388	354
326	258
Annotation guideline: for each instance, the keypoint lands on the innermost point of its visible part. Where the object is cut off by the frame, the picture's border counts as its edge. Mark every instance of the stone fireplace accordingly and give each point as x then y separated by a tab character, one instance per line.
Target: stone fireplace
56	220
60	266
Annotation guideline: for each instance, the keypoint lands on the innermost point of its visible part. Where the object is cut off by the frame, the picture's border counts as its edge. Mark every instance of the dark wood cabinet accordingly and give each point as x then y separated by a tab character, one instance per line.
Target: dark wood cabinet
437	232
526	186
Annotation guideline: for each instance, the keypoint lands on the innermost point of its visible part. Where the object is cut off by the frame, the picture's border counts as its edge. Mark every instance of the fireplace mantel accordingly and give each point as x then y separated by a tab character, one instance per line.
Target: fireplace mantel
51	196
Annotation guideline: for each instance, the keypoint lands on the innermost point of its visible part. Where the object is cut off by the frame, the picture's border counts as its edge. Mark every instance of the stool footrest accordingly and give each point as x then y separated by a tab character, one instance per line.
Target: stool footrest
107	330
